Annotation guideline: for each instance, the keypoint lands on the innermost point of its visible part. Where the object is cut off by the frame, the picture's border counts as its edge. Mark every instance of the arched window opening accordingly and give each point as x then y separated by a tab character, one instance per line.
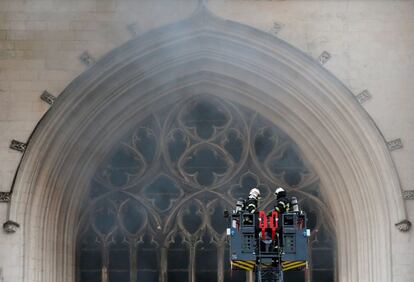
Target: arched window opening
155	206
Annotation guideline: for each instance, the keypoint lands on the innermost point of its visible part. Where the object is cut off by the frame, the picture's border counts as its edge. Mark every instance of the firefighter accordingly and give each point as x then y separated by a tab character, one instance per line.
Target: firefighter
252	201
240	205
285	203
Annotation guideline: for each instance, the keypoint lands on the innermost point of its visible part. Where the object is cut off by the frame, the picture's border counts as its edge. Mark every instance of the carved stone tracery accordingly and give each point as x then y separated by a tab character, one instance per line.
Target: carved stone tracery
166	184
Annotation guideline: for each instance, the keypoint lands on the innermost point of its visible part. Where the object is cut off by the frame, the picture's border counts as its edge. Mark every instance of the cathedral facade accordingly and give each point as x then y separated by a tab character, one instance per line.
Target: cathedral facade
130	126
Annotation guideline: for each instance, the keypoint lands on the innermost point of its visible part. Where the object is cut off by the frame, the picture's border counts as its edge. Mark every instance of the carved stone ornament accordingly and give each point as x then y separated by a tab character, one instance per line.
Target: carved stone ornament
133	29
276	28
408	195
18	146
87	59
404	226
363	96
324	57
395	144
47	97
10	226
5	197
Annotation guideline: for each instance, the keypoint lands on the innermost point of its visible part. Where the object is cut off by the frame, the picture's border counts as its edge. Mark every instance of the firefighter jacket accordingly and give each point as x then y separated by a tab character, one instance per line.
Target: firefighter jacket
251	205
283	205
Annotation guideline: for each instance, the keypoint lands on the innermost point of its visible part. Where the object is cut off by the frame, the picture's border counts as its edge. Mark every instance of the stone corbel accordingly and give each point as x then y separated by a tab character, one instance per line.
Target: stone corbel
10	226
5	197
408	195
404	226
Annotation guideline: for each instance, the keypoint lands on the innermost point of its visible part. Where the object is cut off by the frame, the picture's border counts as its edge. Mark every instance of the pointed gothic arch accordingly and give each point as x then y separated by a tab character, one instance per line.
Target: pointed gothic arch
205	54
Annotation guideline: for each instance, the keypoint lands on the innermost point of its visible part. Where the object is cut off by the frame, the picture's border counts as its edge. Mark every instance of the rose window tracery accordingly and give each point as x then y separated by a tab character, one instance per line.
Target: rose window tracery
155	205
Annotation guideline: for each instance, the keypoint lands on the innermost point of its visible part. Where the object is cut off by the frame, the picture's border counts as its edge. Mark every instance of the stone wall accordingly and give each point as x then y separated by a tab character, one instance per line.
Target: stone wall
370	44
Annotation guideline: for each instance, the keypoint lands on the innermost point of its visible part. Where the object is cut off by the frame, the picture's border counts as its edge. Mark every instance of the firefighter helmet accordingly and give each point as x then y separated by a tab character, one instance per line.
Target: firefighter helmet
280	193
254	194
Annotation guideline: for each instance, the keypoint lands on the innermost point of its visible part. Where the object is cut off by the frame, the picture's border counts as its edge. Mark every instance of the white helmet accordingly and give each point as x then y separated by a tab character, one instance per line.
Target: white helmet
254	193
280	192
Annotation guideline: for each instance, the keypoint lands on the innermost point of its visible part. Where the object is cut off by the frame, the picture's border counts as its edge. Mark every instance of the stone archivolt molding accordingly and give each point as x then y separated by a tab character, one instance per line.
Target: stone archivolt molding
201	55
